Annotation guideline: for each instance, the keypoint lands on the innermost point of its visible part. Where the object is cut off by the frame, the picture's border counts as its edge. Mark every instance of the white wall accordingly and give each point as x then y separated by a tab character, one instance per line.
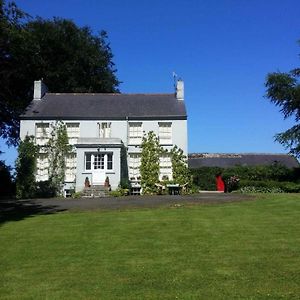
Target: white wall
118	129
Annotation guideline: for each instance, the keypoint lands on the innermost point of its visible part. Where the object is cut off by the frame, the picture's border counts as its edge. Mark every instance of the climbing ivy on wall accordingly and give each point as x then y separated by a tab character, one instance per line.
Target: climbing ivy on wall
181	173
149	168
57	149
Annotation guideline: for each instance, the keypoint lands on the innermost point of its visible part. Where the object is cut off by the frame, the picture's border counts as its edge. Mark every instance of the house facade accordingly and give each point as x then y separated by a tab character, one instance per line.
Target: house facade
106	132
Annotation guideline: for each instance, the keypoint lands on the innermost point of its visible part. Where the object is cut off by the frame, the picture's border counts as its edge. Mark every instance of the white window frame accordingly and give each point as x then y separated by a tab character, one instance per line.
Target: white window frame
165	166
73	131
106	161
105	129
135	133
134	163
42	133
42	167
165	133
70	173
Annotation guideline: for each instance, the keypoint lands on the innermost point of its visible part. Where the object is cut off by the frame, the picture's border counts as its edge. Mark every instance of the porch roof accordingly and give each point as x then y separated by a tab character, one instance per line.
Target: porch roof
99	142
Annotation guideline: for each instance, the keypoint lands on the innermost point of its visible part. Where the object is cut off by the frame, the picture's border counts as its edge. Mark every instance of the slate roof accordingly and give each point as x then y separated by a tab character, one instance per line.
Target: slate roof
197	160
105	106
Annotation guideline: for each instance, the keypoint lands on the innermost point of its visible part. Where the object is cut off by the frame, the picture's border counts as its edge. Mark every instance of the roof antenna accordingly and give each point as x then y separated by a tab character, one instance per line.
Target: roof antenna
175	79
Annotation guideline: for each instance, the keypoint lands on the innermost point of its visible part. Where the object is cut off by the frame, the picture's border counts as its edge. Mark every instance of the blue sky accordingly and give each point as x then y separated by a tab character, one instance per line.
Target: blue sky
222	50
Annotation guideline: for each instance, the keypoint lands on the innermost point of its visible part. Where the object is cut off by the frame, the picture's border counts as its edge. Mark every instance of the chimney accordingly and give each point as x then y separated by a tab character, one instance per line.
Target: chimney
180	90
40	90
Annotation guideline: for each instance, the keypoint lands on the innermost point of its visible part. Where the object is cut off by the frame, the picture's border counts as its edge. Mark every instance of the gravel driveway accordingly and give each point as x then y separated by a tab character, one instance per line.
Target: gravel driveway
53	205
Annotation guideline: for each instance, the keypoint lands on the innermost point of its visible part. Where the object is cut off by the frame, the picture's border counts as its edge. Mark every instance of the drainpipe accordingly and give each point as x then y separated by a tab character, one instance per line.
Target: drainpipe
127	124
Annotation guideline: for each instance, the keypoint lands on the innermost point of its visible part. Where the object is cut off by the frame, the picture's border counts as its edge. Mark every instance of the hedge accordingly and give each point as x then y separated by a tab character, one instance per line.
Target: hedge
287	187
204	177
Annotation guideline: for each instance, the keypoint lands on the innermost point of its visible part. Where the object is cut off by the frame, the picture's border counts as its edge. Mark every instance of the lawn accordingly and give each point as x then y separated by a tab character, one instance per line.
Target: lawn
242	250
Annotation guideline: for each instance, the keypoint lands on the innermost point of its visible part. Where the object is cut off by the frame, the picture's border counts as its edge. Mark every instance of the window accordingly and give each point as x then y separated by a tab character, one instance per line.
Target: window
96	161
134	165
42	133
105	130
165	165
70	167
42	166
109	161
165	132
88	161
135	133
73	132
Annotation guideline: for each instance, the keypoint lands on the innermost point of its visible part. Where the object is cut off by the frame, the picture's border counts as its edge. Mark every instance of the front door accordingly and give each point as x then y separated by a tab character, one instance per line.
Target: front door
98	173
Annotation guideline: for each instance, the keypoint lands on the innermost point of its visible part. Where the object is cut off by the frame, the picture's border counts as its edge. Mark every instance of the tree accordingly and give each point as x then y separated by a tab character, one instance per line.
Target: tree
283	89
181	173
68	58
11	98
26	168
6	184
150	163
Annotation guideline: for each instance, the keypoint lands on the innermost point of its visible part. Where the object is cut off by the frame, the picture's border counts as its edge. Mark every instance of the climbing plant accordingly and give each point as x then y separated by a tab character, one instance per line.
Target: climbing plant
149	168
26	168
181	173
58	148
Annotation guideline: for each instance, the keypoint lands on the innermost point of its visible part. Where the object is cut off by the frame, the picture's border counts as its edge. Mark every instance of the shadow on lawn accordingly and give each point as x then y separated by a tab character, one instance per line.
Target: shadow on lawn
16	210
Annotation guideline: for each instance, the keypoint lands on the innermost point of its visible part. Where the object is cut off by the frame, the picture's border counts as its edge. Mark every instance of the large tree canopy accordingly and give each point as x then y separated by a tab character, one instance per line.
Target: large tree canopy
283	89
67	57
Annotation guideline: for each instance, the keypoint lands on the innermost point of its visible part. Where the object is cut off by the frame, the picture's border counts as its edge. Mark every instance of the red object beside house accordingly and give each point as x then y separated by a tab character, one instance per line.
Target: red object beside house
220	184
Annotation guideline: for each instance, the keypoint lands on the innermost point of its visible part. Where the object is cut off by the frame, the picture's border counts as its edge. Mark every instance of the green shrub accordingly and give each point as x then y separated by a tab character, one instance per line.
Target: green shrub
204	177
254	189
45	189
77	195
257	183
232	183
115	193
124	183
290	187
6	183
271	185
119	192
26	168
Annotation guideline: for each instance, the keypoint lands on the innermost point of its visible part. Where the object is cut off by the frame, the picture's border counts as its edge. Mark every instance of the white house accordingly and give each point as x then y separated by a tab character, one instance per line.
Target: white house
106	131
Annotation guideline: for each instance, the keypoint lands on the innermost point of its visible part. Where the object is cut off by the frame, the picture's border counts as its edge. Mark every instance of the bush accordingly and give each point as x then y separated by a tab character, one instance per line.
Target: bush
45	189
269	186
77	195
6	183
26	168
232	184
253	189
204	177
124	183
119	192
290	187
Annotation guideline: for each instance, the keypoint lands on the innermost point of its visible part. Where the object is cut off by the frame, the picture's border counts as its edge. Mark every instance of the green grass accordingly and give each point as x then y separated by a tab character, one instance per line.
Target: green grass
246	250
